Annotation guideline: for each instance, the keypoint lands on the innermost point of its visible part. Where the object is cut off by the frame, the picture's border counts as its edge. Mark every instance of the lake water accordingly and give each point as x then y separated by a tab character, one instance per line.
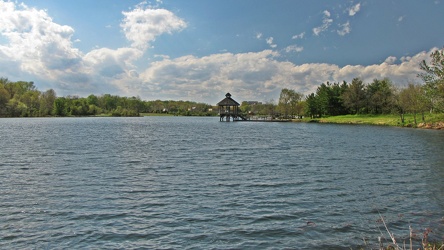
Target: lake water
197	183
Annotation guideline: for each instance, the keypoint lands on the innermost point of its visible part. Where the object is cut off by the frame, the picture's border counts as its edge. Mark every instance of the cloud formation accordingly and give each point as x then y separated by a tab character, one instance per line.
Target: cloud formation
294	48
354	9
142	26
270	42
35	43
344	29
260	75
326	22
298	36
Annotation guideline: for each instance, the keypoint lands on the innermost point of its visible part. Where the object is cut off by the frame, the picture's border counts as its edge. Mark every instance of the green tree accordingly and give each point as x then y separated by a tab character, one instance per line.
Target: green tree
92	100
354	96
433	77
47	99
60	107
17	89
245	107
335	99
288	101
32	101
328	100
4	96
312	107
300	108
322	99
380	96
412	100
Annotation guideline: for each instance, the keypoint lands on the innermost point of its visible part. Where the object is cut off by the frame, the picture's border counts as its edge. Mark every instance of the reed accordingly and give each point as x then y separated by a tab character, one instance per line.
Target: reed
426	244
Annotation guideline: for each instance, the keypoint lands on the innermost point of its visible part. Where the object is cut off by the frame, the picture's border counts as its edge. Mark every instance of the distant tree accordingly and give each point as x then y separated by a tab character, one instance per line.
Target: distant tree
269	108
328	100
31	99
60	107
398	106
300	108
17	89
312	106
288	101
47	99
412	99
92	100
335	100
322	99
245	107
4	96
354	96
433	77
380	96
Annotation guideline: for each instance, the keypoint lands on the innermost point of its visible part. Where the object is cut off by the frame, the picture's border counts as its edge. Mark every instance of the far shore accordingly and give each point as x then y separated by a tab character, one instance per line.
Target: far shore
431	121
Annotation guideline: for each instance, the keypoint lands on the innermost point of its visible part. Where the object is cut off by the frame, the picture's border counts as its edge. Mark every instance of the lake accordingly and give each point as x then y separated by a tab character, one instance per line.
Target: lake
197	183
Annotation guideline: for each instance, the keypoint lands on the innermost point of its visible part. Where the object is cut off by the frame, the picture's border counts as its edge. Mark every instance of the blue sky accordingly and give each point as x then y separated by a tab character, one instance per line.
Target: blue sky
201	49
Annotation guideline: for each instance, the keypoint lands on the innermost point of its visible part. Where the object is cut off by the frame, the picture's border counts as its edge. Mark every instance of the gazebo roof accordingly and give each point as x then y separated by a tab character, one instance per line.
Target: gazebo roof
228	101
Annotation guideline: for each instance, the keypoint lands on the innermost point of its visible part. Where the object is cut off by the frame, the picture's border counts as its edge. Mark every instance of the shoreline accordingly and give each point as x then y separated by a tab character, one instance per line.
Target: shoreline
435	122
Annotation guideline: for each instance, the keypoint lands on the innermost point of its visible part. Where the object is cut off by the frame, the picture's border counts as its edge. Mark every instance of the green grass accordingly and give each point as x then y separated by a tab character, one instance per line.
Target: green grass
382	120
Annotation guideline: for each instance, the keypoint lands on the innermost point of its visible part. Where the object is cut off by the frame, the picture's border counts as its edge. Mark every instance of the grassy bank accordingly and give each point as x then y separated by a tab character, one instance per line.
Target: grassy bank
435	121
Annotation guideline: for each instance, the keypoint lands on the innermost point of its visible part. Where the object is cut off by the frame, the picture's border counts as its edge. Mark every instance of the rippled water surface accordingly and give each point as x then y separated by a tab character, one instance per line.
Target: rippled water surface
197	183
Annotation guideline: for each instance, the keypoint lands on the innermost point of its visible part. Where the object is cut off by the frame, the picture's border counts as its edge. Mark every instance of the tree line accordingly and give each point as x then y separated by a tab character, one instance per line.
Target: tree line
22	99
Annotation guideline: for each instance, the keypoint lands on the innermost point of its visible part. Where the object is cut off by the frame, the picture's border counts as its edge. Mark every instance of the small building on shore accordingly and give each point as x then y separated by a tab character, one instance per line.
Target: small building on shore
229	109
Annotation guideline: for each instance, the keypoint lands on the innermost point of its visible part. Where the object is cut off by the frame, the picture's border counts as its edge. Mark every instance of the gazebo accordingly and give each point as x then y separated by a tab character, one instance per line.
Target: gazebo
229	109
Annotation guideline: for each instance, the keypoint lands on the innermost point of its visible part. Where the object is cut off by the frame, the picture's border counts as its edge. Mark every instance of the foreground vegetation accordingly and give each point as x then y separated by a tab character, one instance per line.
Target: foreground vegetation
426	244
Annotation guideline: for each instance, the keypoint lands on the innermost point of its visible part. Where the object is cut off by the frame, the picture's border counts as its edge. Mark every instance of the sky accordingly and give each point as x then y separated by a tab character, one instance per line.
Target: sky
198	50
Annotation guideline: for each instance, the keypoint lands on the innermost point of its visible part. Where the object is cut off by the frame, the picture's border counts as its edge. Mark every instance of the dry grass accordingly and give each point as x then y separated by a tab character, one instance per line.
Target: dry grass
426	244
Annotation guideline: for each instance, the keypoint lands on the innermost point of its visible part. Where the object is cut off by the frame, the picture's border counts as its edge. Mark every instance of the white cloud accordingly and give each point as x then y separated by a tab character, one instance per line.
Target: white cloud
326	13
390	60
294	48
253	76
270	42
298	36
405	58
142	26
326	22
37	44
259	35
400	74
400	19
354	9
111	63
345	29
